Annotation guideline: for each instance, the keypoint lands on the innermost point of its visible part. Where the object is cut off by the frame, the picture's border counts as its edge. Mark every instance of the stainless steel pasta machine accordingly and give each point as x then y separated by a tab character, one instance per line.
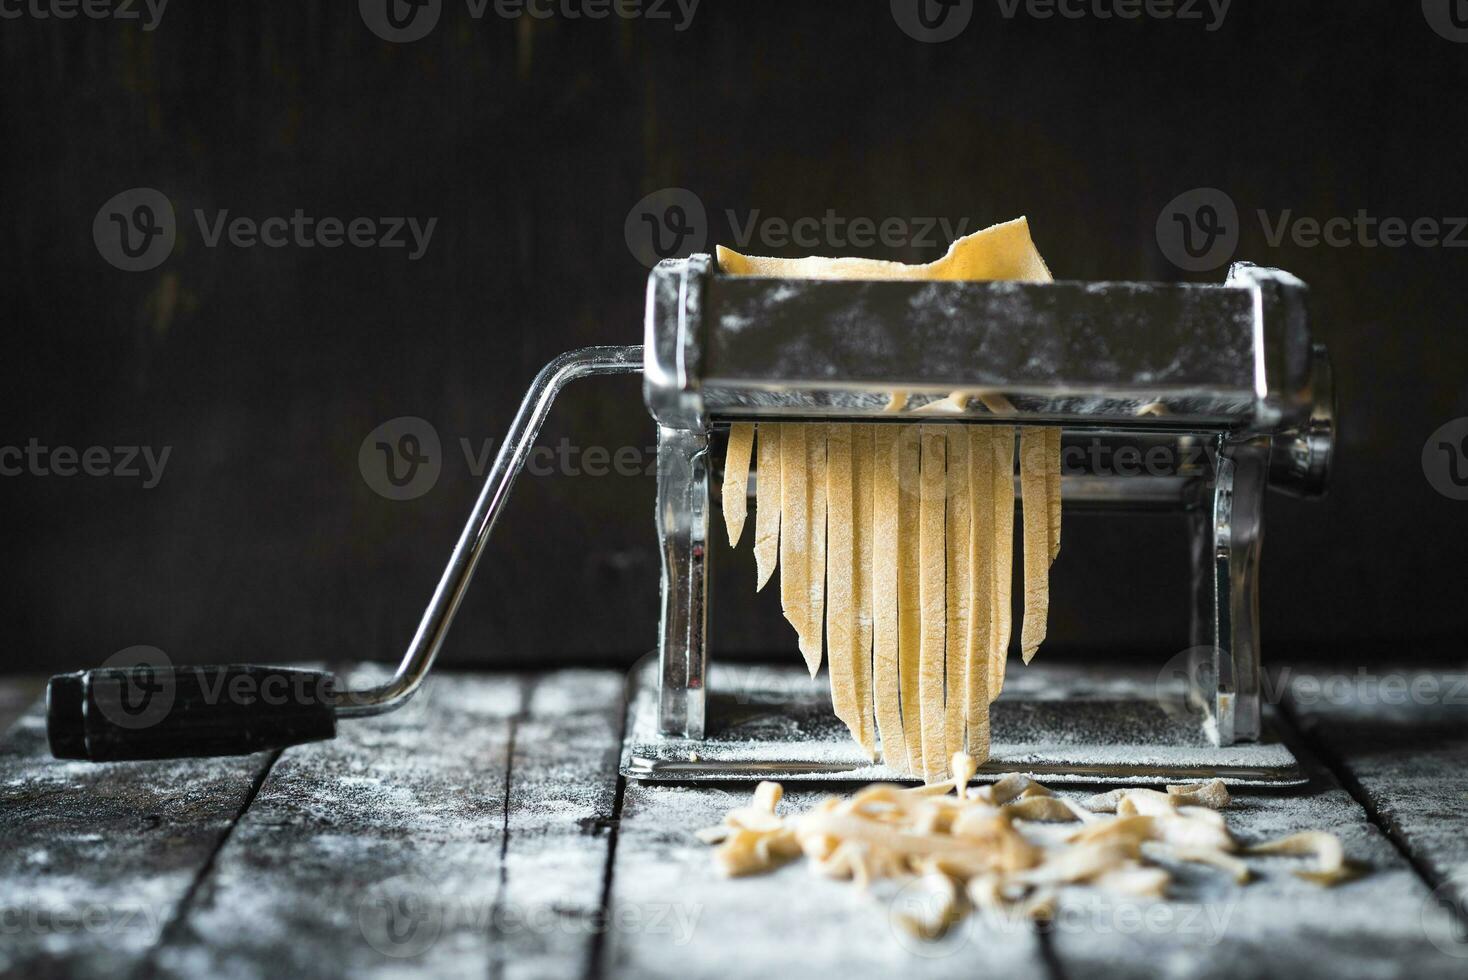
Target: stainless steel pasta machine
1223	381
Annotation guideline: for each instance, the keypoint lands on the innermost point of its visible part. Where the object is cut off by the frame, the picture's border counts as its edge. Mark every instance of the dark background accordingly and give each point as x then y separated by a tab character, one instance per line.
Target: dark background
530	140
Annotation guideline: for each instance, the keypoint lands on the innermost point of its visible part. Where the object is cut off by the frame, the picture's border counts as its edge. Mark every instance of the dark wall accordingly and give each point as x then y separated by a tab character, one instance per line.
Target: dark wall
263	369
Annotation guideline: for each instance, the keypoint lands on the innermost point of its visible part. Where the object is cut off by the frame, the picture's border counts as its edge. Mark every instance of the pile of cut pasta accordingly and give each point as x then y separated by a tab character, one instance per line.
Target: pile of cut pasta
985	848
895	542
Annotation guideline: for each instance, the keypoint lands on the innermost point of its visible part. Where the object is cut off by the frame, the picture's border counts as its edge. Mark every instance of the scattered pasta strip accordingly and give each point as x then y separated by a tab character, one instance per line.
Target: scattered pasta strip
1212	794
736	479
1325	847
985	849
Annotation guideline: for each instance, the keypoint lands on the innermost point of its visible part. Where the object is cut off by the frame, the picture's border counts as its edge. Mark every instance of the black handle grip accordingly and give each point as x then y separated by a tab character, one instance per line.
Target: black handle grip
147	712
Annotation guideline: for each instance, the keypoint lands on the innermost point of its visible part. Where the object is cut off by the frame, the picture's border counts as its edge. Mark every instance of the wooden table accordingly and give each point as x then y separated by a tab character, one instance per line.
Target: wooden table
484	831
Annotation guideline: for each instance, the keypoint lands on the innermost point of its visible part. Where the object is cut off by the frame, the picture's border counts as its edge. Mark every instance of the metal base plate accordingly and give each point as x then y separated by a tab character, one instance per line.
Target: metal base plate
1065	726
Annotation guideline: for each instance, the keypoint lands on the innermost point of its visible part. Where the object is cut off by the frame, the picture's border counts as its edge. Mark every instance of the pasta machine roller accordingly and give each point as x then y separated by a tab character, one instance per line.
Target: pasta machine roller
1228	372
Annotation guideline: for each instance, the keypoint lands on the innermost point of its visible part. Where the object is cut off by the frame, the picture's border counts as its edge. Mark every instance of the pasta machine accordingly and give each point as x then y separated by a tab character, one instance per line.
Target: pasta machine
1225	376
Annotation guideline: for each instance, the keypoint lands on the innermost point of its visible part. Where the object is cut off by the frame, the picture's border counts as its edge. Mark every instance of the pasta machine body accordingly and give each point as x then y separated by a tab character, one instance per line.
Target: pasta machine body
1223	379
1228	371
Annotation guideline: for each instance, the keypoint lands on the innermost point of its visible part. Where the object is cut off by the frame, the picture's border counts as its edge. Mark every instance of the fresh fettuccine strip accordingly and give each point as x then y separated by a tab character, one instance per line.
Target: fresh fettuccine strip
841	632
885	532
862	480
958	578
932	601
767	490
909	601
795	534
1002	615
736	478
1035	494
815	546
1052	485
978	650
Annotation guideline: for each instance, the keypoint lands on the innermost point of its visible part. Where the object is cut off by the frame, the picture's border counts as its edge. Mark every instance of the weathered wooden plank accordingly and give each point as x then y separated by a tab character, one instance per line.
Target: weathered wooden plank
385	851
1399	740
563	789
672	915
97	858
